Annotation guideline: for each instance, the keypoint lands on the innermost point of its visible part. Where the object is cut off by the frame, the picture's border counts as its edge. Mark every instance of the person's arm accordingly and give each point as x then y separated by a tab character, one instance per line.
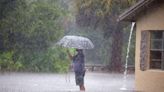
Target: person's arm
69	54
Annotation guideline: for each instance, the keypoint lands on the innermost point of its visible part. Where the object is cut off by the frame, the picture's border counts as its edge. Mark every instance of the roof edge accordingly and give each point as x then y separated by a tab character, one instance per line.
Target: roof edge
128	14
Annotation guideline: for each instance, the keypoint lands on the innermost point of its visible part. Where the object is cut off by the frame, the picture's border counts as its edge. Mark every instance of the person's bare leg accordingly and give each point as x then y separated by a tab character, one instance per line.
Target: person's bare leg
82	88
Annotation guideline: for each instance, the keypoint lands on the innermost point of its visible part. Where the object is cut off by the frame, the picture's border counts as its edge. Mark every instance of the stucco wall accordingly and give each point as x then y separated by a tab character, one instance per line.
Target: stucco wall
149	80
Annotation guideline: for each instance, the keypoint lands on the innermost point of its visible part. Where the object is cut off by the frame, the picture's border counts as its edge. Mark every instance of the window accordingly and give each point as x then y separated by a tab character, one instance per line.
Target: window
157	50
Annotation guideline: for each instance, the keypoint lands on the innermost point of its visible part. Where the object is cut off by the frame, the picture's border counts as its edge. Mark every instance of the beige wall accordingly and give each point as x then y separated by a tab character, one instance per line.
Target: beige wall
149	80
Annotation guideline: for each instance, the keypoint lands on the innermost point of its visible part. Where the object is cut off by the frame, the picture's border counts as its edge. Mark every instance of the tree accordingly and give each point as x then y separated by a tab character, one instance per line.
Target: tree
103	14
27	30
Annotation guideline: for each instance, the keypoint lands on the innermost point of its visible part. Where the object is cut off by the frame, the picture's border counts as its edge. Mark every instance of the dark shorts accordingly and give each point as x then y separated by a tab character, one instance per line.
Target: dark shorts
79	78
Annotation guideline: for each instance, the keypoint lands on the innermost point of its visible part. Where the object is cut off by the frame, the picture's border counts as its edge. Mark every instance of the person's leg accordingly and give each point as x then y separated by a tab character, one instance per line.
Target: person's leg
82	88
80	80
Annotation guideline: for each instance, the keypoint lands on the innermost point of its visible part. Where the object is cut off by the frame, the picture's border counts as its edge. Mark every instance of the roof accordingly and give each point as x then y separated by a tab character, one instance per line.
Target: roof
133	12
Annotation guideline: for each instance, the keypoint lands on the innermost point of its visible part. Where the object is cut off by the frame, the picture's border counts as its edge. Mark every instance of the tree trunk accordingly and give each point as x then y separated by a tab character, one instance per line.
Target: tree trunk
116	49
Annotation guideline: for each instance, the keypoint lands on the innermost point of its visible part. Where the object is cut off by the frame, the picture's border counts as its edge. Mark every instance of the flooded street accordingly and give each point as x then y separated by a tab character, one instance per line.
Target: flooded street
49	82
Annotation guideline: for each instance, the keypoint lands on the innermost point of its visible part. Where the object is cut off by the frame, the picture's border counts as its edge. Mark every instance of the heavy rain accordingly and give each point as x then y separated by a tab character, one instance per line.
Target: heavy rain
40	41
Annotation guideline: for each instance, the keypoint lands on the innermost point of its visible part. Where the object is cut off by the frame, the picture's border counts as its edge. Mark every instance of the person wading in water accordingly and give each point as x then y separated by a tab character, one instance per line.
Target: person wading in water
79	67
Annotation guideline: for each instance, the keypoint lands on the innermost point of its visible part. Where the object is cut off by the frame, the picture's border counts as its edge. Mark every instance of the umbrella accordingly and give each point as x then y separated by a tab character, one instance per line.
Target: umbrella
78	42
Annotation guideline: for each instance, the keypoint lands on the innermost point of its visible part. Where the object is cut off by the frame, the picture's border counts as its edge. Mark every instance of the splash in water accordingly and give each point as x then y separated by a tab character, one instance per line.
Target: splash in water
127	56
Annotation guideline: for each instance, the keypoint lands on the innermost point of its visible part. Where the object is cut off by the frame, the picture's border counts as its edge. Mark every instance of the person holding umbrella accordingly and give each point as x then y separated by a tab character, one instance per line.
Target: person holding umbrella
79	68
79	43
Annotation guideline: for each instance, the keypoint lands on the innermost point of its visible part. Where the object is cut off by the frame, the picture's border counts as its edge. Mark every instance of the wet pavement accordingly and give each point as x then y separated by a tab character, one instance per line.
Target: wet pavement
49	82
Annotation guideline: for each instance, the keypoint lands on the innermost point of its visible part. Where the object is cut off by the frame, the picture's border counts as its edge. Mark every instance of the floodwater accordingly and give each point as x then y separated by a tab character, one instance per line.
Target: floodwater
49	82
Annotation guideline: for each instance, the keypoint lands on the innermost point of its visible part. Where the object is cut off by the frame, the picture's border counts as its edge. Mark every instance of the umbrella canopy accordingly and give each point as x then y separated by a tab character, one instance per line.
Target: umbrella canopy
78	42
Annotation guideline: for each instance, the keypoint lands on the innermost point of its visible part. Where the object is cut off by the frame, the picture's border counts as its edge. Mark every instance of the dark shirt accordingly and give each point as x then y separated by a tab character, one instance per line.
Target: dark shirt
78	62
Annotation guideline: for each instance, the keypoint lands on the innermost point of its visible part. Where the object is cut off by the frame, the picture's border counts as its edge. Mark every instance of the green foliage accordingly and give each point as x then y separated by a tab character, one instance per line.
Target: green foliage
98	13
36	23
27	30
58	57
52	60
102	15
7	62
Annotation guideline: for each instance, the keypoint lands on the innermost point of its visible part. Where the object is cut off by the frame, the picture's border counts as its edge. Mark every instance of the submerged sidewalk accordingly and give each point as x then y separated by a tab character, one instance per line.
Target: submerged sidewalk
49	82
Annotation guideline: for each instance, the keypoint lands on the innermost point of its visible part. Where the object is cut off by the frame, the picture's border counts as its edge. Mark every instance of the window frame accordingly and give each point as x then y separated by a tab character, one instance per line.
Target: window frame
155	50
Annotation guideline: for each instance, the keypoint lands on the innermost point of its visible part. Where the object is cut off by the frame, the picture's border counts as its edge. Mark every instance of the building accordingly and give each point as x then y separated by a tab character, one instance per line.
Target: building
149	55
